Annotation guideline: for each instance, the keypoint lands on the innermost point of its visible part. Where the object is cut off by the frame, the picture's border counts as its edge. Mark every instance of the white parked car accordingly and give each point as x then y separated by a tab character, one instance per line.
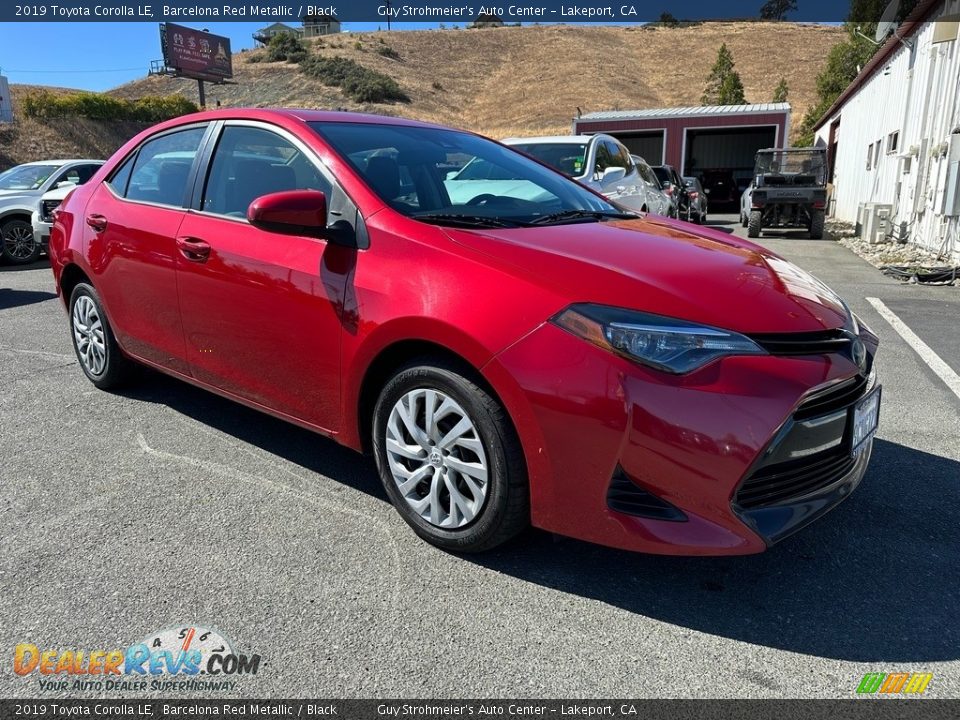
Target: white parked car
600	162
658	202
21	188
42	219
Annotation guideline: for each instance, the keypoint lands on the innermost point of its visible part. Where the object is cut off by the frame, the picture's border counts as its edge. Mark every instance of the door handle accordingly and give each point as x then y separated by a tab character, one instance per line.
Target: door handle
97	222
193	249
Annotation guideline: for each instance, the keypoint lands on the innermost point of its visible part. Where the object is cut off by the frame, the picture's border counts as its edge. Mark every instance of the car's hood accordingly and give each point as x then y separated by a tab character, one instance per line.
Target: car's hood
8	197
668	268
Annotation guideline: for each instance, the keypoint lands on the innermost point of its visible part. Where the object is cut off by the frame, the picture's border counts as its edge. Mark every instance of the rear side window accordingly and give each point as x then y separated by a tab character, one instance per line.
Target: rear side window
249	162
160	170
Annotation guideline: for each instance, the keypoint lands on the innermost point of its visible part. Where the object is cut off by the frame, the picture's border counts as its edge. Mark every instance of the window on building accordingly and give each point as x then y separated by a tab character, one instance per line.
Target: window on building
876	153
870	157
893	142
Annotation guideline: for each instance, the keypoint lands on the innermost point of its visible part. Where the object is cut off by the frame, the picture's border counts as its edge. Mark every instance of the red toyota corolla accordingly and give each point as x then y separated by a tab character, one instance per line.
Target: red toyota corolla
511	347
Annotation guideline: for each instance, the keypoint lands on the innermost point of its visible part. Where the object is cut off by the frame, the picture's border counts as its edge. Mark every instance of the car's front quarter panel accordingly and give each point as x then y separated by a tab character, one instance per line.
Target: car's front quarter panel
416	284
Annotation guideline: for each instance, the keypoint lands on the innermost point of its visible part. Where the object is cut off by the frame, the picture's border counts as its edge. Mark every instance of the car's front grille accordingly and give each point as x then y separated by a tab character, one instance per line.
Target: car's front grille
832	398
784	482
627	497
810	343
46	209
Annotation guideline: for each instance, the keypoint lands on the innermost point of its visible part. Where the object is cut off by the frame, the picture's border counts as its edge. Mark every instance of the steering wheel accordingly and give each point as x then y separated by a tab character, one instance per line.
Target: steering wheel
481	199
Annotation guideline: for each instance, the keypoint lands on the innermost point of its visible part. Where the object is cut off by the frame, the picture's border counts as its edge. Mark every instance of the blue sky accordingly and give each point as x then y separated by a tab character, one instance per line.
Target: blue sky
99	56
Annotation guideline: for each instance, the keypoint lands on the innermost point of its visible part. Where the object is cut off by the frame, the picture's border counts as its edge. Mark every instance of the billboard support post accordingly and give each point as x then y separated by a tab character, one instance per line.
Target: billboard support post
203	98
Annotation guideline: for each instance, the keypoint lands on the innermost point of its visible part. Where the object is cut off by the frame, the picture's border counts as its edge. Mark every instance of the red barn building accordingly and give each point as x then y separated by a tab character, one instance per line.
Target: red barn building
695	139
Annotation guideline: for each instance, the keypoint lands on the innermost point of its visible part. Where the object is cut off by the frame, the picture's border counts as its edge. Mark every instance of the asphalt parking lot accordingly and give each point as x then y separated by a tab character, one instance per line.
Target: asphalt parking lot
166	506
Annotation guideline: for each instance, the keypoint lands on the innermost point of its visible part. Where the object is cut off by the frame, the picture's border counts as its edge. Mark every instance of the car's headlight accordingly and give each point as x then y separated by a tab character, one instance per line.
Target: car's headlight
673	346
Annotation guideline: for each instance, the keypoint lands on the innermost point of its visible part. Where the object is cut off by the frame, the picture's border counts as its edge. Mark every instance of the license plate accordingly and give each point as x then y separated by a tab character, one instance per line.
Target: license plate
866	416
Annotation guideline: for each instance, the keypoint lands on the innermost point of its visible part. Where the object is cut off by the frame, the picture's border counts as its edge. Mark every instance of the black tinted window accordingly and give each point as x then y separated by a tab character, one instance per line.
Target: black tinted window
162	168
249	162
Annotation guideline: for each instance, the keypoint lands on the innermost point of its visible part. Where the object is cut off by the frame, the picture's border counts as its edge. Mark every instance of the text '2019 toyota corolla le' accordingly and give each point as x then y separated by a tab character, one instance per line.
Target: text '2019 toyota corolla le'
519	352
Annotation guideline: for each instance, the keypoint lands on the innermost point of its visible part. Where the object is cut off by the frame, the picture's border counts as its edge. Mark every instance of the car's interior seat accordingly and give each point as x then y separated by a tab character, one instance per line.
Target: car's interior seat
253	178
172	182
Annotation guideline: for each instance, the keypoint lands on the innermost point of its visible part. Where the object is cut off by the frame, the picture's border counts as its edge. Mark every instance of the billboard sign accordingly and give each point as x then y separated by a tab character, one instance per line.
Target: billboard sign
196	54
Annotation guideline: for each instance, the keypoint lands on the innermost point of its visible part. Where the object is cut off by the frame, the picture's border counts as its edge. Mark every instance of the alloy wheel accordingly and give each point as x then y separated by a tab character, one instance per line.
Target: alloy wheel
436	458
88	335
19	243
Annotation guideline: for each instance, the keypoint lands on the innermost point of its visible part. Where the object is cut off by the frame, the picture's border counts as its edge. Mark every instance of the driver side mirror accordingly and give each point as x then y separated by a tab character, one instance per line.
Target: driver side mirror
299	212
612	174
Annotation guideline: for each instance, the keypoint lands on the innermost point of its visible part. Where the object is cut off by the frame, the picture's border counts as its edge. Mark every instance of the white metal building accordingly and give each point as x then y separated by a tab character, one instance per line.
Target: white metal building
894	134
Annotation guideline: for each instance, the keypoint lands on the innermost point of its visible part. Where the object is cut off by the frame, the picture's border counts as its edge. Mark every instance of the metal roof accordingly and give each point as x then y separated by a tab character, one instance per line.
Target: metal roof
681	112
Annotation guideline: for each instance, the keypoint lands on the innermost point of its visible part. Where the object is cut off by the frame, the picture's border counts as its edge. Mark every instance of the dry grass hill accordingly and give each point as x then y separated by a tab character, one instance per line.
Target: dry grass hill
498	81
531	79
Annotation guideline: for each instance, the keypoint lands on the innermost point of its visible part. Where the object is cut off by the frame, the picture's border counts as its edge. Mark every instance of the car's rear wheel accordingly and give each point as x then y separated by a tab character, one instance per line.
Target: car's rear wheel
754	224
19	244
816	224
449	459
93	340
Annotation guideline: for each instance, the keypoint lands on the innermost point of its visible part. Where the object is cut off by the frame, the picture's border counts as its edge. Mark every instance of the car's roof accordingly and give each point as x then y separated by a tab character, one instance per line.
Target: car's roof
302	114
556	139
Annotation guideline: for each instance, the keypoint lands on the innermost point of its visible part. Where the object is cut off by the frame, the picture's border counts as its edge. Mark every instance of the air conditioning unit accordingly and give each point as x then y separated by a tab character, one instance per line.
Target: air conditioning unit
876	222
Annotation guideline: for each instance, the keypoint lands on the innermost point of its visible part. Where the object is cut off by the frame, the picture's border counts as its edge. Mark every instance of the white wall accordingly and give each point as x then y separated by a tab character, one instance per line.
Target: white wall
918	94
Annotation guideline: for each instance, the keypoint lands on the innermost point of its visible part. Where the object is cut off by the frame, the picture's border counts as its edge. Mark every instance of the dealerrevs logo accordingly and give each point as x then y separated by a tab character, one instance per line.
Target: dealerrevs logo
186	652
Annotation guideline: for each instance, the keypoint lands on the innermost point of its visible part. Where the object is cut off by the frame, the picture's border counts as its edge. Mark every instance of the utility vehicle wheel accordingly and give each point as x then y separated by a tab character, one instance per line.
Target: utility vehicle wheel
816	225
753	225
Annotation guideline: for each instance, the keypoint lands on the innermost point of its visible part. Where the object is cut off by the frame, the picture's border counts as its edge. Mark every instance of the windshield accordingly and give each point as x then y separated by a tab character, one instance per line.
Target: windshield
26	177
450	177
799	167
568	158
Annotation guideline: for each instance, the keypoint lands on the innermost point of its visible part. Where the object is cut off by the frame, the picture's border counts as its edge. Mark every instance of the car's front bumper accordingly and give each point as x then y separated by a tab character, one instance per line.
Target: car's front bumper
41	232
612	446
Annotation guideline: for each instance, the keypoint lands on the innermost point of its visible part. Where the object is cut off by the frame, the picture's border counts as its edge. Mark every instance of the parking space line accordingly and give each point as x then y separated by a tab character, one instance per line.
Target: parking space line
926	353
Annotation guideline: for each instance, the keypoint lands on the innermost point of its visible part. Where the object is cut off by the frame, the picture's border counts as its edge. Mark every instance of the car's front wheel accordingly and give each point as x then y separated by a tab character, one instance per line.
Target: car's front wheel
20	246
93	341
449	458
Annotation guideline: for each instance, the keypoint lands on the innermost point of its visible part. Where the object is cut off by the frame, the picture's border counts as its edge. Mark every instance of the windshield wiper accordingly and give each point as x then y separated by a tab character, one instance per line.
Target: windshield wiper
467	220
598	215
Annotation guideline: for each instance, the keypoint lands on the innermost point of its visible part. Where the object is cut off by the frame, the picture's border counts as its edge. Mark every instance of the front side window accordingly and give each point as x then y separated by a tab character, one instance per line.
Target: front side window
415	171
161	169
568	158
250	162
618	155
26	177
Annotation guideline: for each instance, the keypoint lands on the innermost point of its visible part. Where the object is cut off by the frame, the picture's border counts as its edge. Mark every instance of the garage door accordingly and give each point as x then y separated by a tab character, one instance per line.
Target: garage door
648	145
730	149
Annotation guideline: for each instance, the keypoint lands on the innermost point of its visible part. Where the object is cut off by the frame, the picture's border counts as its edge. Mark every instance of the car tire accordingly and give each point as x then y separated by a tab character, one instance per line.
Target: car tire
754	224
816	225
494	499
20	246
93	341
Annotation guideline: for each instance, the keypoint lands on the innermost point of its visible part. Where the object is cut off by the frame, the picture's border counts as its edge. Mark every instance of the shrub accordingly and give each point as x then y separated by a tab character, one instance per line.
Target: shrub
388	51
96	106
437	85
356	81
358	46
287	47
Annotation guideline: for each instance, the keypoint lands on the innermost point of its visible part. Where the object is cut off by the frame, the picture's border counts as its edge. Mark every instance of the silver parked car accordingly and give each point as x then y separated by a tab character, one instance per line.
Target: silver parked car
658	202
600	162
21	188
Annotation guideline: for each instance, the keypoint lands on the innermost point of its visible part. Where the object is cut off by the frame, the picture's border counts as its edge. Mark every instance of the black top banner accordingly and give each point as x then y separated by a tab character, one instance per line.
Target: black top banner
464	12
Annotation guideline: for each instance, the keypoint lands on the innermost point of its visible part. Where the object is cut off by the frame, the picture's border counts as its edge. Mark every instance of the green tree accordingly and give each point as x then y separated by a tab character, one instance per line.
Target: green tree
724	86
777	9
780	94
847	58
668	20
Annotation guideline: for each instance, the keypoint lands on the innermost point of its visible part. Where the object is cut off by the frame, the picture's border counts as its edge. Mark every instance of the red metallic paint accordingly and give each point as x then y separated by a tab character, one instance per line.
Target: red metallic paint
292	324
